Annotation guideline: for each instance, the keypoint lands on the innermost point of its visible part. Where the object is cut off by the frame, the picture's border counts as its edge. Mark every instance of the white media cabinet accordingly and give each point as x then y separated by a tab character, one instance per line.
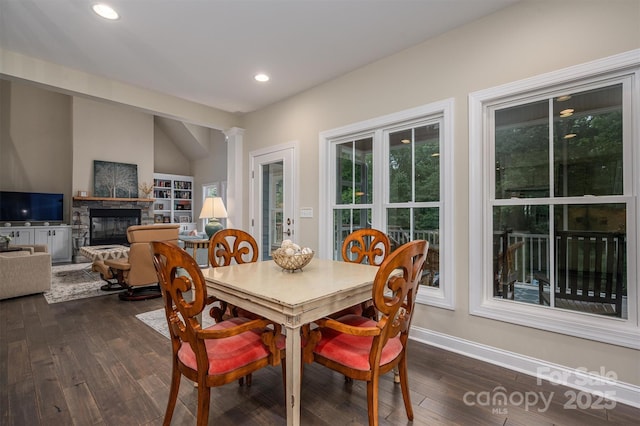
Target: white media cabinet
56	237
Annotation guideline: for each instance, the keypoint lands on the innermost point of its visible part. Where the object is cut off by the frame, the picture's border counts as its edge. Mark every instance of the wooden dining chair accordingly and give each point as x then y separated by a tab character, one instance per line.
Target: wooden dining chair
229	246
364	349
369	246
232	245
220	354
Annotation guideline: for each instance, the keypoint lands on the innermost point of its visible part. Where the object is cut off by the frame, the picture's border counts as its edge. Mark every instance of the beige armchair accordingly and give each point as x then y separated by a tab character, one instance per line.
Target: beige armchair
137	273
24	272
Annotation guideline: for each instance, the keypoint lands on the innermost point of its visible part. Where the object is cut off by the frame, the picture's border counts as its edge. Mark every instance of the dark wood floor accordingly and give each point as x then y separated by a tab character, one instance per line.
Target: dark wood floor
91	362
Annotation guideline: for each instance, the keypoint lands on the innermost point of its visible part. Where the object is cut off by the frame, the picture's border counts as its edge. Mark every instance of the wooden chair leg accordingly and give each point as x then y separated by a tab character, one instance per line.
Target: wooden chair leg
173	394
396	375
204	396
372	400
241	380
404	385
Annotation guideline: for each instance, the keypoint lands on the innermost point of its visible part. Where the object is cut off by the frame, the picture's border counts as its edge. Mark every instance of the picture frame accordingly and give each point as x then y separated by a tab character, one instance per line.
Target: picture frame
185	219
157	218
160	206
115	180
166	219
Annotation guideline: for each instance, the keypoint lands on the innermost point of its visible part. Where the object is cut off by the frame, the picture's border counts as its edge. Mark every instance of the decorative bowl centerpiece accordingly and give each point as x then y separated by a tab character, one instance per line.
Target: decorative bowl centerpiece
291	256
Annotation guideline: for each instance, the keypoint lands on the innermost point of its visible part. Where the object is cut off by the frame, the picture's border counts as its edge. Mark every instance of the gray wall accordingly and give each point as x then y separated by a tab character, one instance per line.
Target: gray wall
49	140
35	140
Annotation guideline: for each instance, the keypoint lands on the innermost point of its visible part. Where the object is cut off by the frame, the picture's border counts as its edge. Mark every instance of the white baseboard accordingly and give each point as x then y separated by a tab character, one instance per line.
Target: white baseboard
602	383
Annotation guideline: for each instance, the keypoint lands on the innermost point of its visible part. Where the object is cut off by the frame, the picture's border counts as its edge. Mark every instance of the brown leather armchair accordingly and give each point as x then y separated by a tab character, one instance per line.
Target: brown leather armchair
137	274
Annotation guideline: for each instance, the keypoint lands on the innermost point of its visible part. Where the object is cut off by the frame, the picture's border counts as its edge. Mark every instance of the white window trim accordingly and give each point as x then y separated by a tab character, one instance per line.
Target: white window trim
594	327
444	296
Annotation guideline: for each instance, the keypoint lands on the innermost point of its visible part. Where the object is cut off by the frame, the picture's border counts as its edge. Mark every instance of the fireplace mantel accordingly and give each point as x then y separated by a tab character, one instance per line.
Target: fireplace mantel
141	200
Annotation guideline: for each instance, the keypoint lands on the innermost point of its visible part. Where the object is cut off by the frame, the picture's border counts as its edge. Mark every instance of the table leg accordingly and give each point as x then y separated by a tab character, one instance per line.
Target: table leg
294	363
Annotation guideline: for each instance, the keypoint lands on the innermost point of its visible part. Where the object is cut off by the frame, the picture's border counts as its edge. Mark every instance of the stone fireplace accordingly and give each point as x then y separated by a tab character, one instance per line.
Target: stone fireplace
114	213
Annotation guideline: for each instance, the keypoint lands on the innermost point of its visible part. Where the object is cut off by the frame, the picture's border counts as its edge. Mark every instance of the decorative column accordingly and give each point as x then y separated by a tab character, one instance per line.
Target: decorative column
235	184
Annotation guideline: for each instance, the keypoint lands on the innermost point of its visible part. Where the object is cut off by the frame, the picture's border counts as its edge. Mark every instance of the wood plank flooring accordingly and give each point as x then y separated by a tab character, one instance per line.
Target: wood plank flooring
91	362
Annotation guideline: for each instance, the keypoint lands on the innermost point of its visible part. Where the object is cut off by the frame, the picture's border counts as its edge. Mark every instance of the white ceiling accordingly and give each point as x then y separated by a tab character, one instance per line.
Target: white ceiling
207	51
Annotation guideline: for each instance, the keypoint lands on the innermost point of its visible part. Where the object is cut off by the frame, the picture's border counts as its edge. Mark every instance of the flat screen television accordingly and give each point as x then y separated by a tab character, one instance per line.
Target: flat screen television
30	206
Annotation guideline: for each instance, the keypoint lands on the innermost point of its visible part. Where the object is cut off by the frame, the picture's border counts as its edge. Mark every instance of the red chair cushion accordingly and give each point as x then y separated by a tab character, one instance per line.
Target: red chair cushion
353	351
229	353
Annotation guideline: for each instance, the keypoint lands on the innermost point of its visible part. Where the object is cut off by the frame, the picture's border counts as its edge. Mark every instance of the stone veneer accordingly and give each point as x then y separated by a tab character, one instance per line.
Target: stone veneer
80	213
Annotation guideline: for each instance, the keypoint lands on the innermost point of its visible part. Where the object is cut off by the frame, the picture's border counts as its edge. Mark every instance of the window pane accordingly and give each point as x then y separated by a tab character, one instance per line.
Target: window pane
354	166
591	261
344	170
520	251
427	227
400	166
210	191
345	221
398	227
427	163
588	143
363	182
522	151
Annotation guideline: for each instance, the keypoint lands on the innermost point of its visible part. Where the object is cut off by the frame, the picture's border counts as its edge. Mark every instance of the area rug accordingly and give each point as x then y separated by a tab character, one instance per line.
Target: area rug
74	281
158	321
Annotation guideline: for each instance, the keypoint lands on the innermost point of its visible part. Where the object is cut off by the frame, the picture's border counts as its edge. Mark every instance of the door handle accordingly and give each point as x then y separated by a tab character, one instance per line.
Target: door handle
288	232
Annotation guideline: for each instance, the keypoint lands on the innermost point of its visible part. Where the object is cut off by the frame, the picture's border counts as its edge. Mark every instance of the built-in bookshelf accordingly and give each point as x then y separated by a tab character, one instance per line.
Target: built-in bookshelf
173	203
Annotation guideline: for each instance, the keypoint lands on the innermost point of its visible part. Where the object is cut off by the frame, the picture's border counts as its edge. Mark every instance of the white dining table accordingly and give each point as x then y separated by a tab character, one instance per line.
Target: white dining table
293	300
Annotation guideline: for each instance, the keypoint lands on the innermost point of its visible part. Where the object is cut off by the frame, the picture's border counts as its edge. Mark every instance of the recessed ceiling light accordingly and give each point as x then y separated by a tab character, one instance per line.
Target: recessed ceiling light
405	141
570	136
261	77
566	112
105	11
563	98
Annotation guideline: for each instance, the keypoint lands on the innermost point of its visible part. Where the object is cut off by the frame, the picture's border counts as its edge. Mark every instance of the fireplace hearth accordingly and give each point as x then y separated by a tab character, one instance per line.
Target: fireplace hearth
109	226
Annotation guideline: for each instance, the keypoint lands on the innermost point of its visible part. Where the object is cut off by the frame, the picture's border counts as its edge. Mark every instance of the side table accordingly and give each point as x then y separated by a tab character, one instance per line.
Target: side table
194	245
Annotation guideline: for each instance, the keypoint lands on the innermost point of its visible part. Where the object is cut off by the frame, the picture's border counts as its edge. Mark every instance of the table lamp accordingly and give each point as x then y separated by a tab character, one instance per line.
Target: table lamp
213	209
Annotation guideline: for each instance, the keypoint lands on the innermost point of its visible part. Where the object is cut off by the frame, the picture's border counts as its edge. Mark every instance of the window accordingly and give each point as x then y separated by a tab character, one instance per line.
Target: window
386	174
554	161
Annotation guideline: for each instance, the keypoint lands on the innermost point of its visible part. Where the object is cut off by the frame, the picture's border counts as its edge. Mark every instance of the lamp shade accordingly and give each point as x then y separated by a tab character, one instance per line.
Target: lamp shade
213	209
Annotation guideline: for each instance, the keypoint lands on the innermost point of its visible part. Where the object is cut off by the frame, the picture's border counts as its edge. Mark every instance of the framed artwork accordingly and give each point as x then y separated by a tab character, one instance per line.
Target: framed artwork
115	180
